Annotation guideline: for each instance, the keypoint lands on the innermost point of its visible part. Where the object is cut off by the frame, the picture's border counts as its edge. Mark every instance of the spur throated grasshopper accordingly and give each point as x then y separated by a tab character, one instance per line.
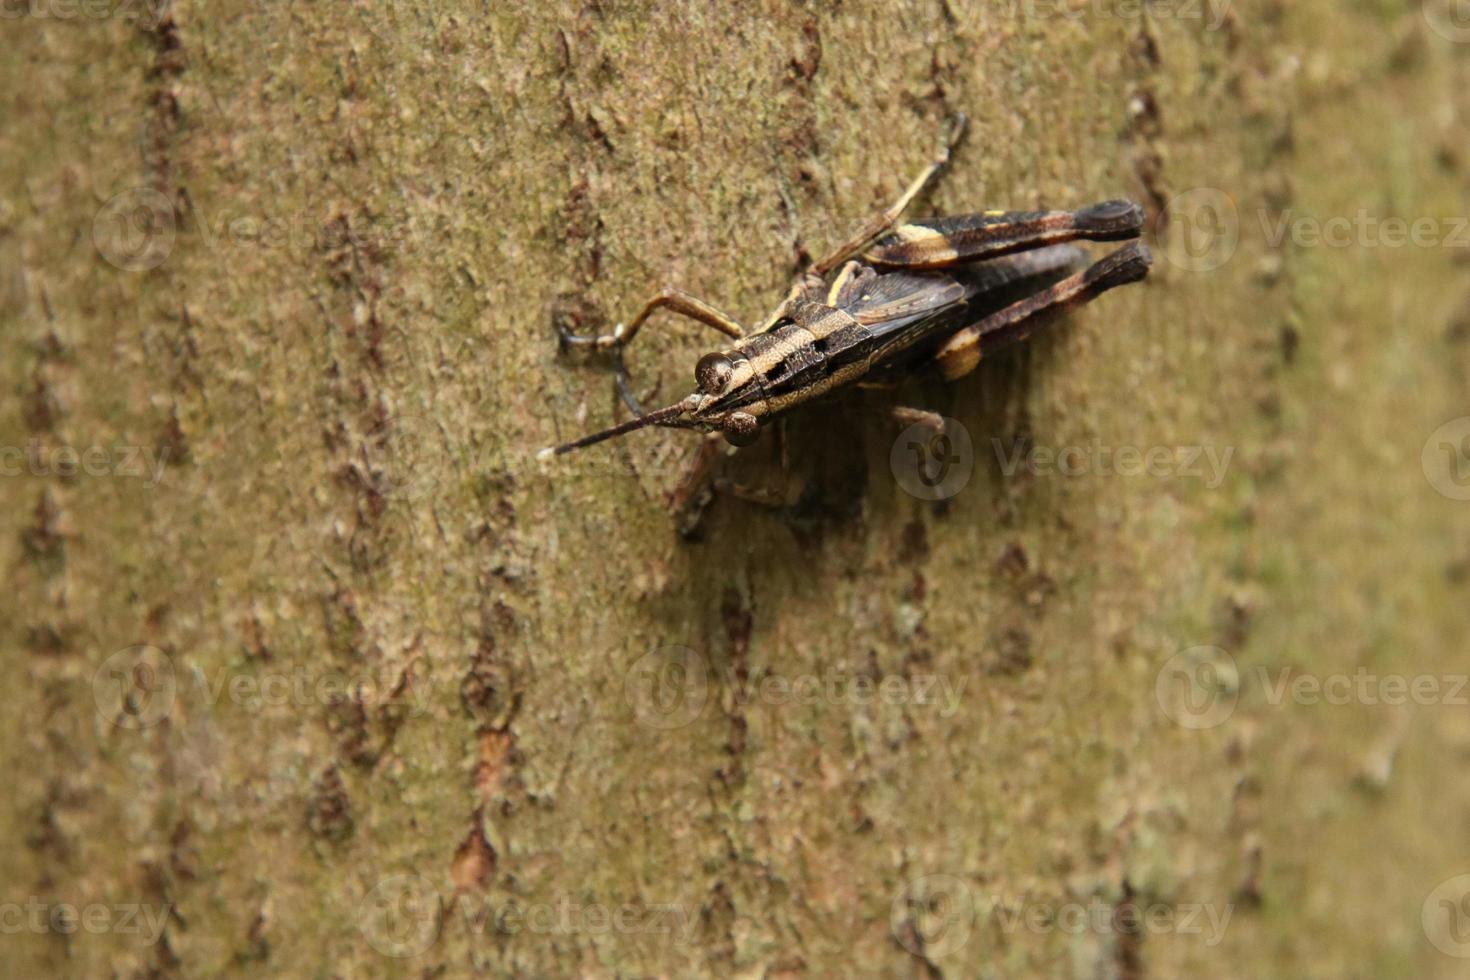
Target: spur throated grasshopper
890	298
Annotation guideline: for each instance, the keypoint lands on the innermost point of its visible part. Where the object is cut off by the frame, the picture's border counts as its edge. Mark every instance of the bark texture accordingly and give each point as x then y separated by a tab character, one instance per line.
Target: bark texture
355	686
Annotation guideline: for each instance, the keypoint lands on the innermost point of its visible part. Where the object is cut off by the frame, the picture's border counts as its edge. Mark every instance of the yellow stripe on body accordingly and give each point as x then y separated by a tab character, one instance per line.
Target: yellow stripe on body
794	339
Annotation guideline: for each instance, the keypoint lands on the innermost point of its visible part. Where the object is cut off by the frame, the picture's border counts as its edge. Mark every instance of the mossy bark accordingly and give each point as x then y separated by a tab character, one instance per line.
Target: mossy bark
352	685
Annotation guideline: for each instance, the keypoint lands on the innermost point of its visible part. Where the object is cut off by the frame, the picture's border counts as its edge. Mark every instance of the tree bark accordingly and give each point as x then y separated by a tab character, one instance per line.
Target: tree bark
319	671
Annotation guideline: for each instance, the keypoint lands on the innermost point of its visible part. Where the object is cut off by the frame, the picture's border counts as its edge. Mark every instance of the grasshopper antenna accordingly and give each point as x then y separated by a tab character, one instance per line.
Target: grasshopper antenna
660	416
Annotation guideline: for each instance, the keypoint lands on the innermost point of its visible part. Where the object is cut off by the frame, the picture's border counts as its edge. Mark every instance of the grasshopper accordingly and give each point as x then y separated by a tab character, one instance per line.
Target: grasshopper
887	300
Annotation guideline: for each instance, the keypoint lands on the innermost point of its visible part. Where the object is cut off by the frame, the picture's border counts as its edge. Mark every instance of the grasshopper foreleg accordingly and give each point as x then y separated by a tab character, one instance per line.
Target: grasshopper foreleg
675	300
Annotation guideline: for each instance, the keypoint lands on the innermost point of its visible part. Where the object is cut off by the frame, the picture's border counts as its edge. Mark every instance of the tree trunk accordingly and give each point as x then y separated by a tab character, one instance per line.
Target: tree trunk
315	669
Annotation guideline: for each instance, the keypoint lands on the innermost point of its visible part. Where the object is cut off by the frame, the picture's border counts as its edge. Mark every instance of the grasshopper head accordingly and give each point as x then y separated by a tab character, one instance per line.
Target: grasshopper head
719	383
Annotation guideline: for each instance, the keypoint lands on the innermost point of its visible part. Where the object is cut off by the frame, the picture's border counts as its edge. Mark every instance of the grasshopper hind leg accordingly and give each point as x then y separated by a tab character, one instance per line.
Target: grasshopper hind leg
942	243
961	353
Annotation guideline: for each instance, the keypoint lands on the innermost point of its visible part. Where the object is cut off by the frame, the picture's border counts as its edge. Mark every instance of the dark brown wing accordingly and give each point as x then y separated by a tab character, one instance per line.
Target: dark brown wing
900	309
874	299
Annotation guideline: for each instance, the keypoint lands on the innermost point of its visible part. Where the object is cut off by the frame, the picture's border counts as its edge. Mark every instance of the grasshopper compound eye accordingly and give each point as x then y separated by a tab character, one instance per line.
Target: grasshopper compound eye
741	429
712	373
